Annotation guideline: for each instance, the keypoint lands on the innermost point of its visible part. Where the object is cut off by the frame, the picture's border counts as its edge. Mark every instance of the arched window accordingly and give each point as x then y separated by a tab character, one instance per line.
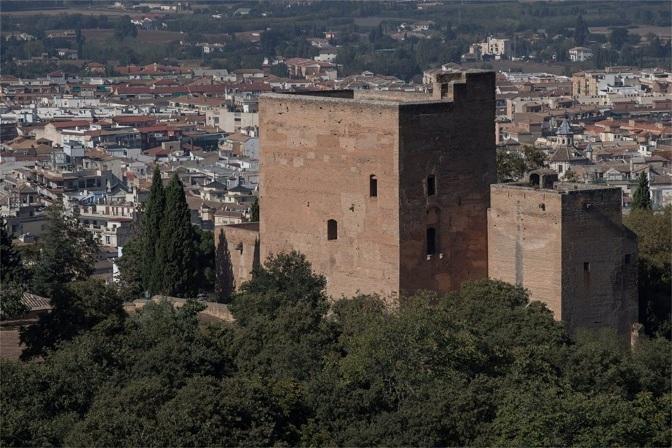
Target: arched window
332	229
373	186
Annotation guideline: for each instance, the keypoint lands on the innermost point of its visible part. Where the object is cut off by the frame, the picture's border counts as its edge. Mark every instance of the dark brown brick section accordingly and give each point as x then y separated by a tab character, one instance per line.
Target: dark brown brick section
454	143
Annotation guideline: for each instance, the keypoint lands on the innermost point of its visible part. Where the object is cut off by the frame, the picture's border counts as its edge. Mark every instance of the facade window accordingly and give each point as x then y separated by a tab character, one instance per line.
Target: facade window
431	185
373	186
107	240
431	241
586	267
332	229
628	258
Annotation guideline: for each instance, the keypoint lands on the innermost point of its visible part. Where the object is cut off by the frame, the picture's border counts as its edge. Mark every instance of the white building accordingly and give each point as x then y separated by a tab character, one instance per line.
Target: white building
580	54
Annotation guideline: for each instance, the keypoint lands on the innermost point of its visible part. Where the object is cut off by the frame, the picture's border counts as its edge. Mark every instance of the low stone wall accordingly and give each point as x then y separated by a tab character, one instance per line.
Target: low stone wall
213	310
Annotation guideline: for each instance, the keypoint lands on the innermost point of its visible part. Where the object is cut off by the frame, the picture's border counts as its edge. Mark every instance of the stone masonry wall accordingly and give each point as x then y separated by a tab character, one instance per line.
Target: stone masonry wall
317	157
454	142
569	248
525	241
243	243
599	266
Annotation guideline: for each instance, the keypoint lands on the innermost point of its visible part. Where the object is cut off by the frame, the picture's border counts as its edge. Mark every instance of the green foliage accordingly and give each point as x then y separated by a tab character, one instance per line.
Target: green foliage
581	31
481	366
512	165
654	236
204	247
176	250
11	304
279	70
124	28
641	198
76	307
618	37
152	270
12	269
13	276
224	285
67	252
168	255
131	266
280	312
570	175
254	210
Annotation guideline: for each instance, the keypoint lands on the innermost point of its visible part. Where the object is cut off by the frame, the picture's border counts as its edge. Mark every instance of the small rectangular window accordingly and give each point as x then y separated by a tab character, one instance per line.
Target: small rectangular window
332	229
628	258
373	186
586	267
431	241
431	185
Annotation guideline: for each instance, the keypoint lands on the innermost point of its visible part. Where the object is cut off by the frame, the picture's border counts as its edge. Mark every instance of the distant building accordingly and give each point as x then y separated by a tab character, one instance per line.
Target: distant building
580	54
491	48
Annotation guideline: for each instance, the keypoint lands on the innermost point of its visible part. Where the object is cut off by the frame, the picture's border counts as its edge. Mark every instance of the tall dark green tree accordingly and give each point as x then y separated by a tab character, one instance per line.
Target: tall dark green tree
224	282
618	37
254	210
152	266
641	198
11	268
68	252
176	249
204	246
581	31
130	266
12	277
124	28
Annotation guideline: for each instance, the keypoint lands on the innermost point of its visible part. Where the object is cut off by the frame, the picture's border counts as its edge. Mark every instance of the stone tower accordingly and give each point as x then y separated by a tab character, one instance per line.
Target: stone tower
567	245
384	192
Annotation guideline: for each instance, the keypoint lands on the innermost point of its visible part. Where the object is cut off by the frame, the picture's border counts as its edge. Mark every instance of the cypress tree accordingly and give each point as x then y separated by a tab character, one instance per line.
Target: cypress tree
581	31
254	210
225	282
152	269
641	199
176	247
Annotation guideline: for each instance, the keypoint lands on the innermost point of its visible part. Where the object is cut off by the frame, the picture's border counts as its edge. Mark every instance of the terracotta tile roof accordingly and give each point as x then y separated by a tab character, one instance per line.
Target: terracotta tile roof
70	124
35	302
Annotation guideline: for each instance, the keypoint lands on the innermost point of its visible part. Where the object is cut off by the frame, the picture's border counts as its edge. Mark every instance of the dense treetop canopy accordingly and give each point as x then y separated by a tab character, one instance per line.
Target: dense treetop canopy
482	366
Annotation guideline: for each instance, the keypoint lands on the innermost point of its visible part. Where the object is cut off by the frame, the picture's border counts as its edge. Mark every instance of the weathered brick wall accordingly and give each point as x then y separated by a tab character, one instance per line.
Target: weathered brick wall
602	293
573	253
317	156
243	243
454	142
525	241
